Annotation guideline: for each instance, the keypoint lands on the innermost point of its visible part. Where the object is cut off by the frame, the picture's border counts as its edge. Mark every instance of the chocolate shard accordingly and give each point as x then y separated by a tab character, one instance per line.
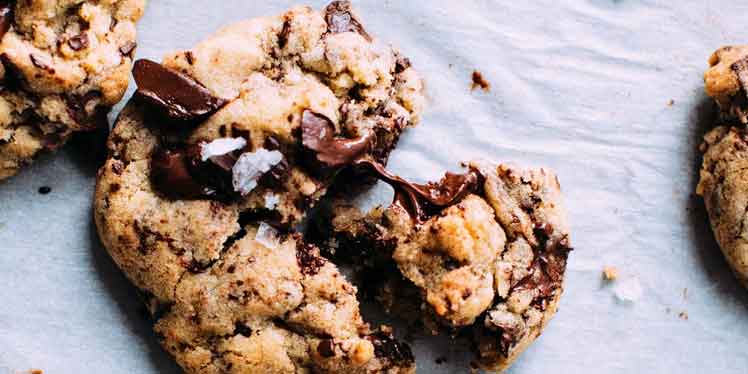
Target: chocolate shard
174	94
170	174
422	201
330	152
6	16
340	18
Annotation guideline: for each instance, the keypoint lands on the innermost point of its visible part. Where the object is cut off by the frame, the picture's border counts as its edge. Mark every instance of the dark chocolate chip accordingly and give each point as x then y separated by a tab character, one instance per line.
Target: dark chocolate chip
45	190
242	329
340	18
6	16
127	48
81	110
176	95
283	36
170	174
307	256
318	137
271	143
275	177
326	348
78	42
386	347
39	61
190	57
401	64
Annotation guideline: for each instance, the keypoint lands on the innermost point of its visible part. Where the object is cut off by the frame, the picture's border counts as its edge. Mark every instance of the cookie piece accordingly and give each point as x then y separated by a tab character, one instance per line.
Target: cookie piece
64	64
724	187
726	82
223	149
487	250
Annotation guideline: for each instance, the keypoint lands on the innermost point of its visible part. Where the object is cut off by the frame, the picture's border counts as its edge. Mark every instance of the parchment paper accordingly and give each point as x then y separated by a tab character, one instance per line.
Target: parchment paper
579	86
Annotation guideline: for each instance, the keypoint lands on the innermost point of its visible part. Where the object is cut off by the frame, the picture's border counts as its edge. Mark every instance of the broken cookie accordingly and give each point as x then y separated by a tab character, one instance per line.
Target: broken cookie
485	250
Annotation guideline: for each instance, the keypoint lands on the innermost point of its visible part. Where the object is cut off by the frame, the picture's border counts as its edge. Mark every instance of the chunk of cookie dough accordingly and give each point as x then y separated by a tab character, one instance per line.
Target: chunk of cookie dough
223	149
487	250
64	64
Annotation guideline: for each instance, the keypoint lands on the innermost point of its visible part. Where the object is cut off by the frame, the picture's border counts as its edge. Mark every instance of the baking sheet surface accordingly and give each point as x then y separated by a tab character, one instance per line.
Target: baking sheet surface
582	87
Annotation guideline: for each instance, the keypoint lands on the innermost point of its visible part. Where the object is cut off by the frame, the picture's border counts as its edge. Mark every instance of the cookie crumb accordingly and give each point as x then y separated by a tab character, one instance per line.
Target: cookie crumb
610	273
685	293
45	190
440	360
480	82
671	102
629	290
683	315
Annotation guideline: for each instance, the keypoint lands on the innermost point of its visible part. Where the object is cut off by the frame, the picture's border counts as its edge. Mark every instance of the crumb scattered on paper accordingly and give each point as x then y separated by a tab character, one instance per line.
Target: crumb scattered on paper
628	290
610	273
685	293
480	82
683	315
671	102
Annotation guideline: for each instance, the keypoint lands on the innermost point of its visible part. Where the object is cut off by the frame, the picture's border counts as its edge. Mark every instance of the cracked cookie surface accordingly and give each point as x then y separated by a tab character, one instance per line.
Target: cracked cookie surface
490	262
64	64
224	148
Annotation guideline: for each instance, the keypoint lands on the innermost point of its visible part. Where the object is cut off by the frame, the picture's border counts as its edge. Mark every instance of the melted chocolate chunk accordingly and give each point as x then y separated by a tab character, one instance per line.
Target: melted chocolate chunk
89	116
127	49
326	348
340	18
422	201
275	177
308	259
78	42
6	16
328	151
170	173
174	94
547	268
385	346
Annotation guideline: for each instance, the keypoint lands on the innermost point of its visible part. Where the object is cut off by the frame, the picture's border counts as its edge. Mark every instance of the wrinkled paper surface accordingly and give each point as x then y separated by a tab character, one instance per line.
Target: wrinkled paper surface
582	87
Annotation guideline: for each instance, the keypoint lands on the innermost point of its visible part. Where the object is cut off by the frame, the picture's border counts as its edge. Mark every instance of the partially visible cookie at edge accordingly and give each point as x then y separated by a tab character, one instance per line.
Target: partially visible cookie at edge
64	65
723	183
485	250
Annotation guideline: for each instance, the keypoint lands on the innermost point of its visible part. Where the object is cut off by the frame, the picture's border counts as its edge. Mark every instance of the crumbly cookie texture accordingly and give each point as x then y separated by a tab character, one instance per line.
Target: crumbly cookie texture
223	149
492	262
726	81
724	187
64	64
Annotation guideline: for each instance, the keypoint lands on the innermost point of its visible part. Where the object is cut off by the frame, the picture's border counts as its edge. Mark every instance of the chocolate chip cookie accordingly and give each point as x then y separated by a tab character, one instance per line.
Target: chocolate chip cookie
724	184
64	64
482	253
222	151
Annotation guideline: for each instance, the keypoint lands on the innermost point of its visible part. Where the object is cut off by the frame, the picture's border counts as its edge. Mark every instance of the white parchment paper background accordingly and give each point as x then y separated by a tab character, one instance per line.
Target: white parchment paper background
579	86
